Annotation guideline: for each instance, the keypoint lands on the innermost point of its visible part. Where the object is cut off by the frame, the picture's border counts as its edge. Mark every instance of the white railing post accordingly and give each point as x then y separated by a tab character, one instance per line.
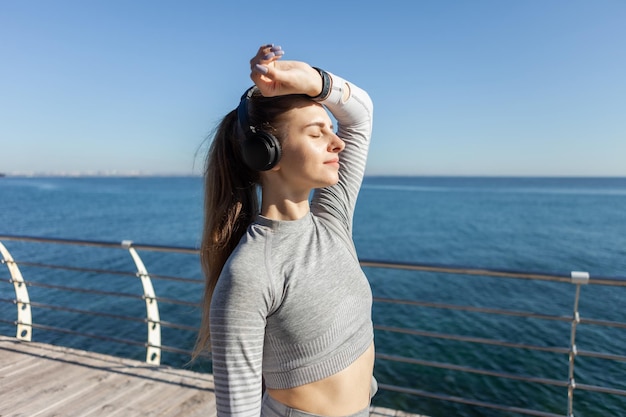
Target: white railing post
578	278
24	316
153	350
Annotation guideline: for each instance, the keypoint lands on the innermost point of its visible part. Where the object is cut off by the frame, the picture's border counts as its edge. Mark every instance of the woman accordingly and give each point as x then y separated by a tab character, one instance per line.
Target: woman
286	302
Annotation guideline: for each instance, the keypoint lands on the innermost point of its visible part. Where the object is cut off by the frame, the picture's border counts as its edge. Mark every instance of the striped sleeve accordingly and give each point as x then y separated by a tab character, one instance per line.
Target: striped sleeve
237	321
354	119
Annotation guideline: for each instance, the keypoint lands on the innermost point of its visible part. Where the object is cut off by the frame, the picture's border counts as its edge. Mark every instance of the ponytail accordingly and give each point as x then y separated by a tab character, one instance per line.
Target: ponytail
230	205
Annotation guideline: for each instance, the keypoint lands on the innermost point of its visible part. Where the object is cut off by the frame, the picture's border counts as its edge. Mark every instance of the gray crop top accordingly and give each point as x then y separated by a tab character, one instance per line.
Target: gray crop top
292	304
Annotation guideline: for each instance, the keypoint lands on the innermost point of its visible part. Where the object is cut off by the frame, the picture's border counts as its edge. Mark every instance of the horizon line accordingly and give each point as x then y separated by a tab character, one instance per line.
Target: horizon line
377	175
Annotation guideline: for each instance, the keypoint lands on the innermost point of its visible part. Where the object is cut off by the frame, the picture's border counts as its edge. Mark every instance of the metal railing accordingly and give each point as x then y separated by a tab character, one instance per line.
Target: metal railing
25	303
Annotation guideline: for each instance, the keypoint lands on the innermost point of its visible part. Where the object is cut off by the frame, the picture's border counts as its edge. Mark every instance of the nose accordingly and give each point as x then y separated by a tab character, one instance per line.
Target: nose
336	144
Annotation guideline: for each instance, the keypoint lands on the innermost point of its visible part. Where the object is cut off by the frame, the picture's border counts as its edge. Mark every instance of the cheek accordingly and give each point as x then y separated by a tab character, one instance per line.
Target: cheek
292	157
298	156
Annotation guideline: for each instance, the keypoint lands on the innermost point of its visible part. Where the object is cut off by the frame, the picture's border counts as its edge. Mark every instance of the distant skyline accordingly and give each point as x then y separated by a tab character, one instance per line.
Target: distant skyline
460	88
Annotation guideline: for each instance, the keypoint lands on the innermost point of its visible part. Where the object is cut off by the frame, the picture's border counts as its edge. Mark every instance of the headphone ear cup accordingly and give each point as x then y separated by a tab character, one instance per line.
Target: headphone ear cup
261	151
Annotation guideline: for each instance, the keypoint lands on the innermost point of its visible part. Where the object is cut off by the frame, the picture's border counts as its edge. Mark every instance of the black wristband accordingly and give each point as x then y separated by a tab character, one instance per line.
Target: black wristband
327	85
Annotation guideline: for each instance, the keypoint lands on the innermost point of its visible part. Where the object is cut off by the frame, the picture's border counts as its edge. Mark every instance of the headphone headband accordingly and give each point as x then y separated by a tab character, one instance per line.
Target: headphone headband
242	111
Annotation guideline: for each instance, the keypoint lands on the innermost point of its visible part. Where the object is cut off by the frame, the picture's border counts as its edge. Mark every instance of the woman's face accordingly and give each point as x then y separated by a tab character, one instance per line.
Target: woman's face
310	148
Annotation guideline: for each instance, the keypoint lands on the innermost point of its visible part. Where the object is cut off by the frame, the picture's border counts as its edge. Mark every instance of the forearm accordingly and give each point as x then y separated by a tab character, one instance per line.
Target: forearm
353	109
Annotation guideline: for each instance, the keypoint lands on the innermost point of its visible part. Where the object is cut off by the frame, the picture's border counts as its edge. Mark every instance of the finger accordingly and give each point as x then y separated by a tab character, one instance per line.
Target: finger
260	69
274	52
264	66
265	48
270	57
261	66
262	52
277	50
264	77
266	59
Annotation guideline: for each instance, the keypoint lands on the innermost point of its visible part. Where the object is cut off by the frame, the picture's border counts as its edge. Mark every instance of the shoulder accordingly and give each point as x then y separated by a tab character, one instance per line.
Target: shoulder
245	277
248	258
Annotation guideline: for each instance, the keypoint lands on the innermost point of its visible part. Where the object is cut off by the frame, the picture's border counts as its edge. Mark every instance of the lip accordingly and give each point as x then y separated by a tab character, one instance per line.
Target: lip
332	162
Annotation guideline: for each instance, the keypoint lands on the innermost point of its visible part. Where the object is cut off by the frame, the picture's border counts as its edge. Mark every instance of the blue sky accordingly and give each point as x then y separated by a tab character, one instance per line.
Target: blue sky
534	87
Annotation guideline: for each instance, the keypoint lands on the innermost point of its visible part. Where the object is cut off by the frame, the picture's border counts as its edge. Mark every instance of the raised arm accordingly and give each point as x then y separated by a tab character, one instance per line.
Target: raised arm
353	109
350	105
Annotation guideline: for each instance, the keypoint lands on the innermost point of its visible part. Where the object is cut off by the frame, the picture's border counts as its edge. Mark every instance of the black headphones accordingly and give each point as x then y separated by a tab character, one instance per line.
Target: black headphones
261	150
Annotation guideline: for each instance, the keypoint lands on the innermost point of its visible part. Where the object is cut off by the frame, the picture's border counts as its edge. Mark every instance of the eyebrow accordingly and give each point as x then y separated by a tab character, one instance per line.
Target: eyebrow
318	124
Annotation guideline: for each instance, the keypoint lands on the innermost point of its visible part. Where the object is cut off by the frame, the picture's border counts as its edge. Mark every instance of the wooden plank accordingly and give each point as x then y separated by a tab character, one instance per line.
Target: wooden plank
188	403
64	384
39	383
122	392
97	397
45	380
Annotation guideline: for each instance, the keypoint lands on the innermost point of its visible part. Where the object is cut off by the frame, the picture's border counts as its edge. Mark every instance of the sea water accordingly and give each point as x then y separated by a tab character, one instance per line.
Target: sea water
543	225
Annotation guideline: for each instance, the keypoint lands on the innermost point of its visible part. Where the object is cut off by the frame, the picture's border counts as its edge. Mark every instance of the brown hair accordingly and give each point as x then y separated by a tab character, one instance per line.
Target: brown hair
230	192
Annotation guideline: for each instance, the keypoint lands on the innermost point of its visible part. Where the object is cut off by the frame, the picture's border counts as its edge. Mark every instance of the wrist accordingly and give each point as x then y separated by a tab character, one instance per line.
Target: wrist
327	84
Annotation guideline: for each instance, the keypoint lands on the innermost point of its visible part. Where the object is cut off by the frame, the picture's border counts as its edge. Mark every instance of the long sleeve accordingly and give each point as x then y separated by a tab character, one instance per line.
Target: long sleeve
240	305
354	119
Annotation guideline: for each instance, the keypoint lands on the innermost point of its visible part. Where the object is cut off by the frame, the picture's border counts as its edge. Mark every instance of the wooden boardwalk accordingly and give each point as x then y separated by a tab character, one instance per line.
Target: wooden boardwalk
44	380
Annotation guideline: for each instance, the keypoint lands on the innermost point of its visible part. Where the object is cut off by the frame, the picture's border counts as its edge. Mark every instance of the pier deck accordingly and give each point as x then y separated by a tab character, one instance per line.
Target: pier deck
38	379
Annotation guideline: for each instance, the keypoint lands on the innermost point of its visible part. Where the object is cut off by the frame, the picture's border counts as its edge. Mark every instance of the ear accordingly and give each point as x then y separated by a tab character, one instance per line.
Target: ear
276	167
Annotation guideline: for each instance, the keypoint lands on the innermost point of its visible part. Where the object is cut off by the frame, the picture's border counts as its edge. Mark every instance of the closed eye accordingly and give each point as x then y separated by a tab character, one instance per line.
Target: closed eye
316	129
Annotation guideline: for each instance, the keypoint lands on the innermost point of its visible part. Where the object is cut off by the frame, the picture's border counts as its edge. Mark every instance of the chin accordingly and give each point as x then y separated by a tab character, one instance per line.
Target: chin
329	183
332	182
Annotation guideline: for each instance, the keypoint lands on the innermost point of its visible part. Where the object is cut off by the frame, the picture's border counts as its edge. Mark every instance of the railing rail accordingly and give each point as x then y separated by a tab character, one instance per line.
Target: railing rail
25	324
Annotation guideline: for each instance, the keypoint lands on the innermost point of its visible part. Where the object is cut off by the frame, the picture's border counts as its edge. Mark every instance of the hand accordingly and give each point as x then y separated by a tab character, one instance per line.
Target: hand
275	77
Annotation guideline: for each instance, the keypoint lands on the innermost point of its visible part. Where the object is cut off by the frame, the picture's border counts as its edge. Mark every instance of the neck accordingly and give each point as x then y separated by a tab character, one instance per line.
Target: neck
284	207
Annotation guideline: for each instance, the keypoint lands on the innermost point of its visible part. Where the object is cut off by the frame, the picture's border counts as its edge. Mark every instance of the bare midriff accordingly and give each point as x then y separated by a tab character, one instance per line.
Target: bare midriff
341	394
